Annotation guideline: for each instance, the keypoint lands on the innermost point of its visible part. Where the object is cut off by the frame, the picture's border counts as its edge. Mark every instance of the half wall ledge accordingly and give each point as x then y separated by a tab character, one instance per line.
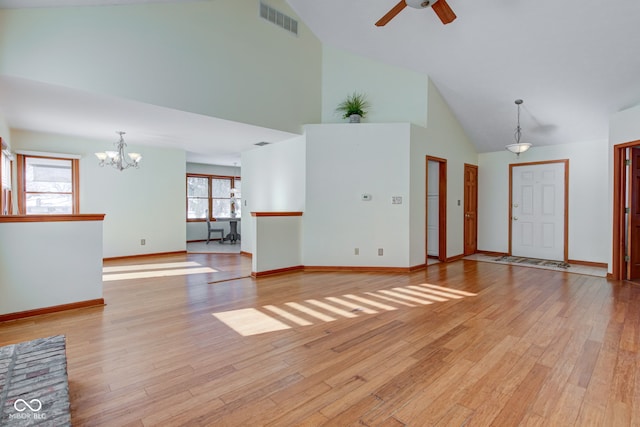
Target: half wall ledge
276	213
50	263
277	242
51	218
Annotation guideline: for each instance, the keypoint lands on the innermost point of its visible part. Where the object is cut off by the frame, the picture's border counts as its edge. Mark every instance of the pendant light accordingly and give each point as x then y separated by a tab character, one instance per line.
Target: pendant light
518	147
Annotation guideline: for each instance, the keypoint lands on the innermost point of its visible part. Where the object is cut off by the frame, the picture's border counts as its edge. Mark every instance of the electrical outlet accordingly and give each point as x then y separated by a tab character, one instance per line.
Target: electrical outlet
143	242
356	251
380	252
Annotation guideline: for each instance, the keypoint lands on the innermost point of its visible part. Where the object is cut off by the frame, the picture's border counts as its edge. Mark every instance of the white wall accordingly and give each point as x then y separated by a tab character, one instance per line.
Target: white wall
216	58
624	126
345	161
395	94
493	199
273	180
589	224
44	264
443	138
145	203
198	230
434	130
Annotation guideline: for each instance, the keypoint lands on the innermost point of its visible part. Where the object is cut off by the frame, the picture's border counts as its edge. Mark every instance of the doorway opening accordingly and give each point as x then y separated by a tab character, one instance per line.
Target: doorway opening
626	211
436	209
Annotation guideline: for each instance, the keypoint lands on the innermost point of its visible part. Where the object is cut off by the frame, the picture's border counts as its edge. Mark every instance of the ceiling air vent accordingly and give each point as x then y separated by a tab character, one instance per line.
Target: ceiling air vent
280	19
262	143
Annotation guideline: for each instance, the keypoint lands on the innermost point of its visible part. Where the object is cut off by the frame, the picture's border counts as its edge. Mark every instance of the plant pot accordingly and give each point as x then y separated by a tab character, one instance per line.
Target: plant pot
355	118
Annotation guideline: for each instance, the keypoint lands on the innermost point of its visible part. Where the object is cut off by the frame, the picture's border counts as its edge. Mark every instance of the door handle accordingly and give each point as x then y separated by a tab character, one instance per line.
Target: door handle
515	218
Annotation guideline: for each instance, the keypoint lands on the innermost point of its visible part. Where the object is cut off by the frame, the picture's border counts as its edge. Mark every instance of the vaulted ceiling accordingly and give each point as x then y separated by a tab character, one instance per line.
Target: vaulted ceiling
573	62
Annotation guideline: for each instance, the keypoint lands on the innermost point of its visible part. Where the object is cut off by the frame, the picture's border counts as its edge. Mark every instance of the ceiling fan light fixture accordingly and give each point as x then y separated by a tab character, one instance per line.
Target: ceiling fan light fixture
420	4
440	7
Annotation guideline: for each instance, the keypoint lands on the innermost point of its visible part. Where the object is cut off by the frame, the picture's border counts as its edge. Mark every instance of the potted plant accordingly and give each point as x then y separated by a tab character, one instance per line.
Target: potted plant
354	107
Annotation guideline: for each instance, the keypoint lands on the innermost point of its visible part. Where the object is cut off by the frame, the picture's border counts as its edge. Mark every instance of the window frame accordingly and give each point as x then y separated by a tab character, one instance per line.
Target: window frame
210	198
22	184
6	203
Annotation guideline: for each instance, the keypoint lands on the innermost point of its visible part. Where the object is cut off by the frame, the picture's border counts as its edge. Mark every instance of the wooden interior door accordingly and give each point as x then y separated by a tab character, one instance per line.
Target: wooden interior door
633	244
470	209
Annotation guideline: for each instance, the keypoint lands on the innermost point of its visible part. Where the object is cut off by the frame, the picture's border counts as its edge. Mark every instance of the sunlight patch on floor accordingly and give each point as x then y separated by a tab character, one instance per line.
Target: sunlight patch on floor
144	271
289	316
398	293
454	291
371	302
158	266
331	308
249	321
270	318
351	305
311	312
390	299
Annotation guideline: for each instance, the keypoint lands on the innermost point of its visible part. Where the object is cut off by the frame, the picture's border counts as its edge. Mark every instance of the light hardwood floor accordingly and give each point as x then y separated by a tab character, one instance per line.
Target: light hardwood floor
466	343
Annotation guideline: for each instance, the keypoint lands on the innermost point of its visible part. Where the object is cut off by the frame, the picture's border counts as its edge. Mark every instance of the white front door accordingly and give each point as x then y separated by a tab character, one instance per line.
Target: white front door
538	211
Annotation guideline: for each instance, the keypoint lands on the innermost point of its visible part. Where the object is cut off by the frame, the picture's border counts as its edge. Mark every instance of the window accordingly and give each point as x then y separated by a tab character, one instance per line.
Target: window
48	185
197	197
5	180
213	193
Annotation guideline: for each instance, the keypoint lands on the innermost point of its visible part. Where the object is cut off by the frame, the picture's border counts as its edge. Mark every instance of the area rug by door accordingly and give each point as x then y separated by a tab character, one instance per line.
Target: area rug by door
533	261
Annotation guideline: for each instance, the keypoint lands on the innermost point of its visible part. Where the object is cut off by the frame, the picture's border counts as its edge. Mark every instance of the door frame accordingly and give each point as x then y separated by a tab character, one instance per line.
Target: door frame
475	213
566	200
618	264
442	207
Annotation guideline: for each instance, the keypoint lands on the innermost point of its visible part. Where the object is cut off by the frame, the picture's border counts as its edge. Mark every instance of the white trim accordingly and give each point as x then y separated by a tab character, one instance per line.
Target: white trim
45	154
8	154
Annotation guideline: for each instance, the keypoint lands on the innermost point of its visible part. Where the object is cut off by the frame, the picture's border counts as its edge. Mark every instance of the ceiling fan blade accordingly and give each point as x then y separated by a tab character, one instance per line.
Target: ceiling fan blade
391	14
444	12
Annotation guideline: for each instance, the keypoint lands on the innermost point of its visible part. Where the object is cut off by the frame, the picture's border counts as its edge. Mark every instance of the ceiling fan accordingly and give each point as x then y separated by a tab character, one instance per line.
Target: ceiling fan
440	7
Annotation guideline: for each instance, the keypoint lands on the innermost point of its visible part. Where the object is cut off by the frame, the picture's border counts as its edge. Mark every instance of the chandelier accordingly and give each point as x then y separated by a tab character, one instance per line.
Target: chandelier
117	159
235	190
518	147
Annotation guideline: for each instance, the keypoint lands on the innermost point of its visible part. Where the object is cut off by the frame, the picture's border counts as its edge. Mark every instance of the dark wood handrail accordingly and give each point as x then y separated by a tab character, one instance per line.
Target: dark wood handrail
51	218
276	213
